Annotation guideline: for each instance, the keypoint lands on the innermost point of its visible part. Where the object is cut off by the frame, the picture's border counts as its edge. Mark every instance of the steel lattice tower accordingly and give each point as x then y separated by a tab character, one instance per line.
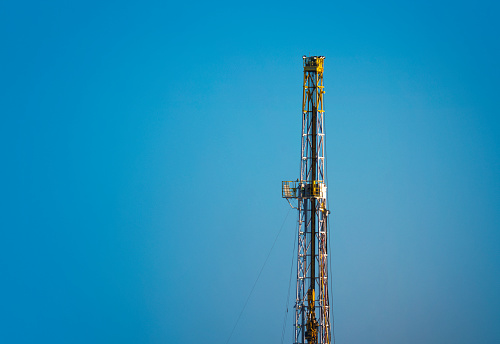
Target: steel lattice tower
312	310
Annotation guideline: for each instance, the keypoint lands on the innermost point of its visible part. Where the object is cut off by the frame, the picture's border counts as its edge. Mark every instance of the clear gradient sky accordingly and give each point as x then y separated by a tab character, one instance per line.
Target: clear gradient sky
143	146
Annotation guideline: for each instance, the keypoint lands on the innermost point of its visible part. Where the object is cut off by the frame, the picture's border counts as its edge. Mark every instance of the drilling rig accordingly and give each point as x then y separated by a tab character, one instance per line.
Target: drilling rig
312	310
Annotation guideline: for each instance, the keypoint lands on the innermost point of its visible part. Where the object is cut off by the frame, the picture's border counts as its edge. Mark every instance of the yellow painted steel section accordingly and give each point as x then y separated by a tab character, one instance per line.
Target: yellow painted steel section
314	64
312	322
316	188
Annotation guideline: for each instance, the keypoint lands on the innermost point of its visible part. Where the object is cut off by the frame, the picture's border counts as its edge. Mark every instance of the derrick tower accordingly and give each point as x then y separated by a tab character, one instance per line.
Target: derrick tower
312	310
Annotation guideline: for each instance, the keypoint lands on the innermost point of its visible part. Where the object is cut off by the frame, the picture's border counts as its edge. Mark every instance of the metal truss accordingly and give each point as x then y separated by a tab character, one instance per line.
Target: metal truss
312	310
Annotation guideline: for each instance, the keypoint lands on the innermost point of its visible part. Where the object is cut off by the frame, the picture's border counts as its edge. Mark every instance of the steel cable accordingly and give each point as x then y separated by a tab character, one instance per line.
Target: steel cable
330	253
289	286
258	276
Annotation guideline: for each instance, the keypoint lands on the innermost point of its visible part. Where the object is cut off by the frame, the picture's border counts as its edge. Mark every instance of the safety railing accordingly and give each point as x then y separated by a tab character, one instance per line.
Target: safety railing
296	189
289	189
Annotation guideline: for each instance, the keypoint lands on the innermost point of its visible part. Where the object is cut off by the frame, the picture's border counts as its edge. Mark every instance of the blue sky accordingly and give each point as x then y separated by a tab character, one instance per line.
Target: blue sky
144	144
